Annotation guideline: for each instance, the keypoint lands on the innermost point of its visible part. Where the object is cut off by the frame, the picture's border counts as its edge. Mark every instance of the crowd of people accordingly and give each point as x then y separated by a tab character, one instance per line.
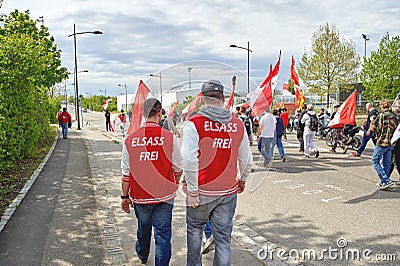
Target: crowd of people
214	161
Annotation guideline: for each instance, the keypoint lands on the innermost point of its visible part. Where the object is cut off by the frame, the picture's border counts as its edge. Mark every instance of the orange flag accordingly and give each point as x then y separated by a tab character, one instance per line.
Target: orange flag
298	83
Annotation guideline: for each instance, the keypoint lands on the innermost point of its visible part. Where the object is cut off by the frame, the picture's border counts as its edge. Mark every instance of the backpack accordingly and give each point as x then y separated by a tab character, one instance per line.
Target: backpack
164	123
247	124
313	122
279	127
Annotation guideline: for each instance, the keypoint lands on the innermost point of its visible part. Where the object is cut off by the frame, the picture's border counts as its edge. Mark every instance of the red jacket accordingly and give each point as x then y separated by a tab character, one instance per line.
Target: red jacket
64	117
122	117
218	155
285	118
152	178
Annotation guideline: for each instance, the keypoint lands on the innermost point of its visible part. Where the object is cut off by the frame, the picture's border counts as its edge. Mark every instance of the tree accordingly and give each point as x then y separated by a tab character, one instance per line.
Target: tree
30	64
380	74
331	63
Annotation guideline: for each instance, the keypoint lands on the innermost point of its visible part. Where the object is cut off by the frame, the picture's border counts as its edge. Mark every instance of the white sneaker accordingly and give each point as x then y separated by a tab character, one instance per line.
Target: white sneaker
208	246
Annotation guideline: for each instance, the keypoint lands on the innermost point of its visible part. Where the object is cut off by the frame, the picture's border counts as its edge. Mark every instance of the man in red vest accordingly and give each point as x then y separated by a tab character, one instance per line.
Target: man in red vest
151	168
65	119
214	147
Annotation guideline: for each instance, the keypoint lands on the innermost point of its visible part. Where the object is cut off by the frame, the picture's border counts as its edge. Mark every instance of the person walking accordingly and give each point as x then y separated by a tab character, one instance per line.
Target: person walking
310	122
266	136
167	123
108	117
65	119
279	132
122	121
151	169
59	118
322	122
300	127
247	124
372	113
383	127
285	119
211	180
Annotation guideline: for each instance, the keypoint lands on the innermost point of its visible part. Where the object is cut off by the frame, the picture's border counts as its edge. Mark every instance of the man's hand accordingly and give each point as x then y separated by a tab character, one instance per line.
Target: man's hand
368	133
193	201
126	204
241	186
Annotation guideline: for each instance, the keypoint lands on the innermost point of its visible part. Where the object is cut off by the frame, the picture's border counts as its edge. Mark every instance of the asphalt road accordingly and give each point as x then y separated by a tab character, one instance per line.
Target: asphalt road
330	207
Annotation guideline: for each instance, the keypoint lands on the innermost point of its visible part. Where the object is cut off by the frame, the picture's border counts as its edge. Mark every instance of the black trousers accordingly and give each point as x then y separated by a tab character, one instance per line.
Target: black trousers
300	133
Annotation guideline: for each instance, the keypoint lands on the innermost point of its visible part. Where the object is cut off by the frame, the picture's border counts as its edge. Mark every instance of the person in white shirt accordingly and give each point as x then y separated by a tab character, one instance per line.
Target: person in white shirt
266	135
310	122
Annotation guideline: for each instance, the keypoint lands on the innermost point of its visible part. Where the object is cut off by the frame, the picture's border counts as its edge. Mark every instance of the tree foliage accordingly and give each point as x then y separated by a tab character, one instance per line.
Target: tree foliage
30	64
331	64
380	74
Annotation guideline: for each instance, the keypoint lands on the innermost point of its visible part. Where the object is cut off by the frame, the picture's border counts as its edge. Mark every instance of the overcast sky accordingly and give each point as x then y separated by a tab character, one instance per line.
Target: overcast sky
143	37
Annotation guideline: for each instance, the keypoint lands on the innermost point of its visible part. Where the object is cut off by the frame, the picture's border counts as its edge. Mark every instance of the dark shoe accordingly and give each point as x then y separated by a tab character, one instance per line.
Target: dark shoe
283	158
306	156
300	150
332	150
355	154
317	154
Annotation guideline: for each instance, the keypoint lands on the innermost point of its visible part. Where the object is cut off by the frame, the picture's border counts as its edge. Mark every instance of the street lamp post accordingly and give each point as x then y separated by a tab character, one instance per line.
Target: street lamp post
248	62
190	85
105	92
76	68
126	96
365	44
158	76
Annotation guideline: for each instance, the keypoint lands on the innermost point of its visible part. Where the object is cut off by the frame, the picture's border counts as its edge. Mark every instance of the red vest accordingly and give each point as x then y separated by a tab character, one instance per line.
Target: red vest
218	155
64	117
150	162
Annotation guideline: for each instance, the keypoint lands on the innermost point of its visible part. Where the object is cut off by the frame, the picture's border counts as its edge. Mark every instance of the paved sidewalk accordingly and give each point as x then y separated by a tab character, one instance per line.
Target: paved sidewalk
71	214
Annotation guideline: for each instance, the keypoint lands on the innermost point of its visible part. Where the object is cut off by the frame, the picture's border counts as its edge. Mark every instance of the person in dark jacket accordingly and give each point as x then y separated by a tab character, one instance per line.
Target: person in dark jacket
300	128
107	115
372	113
280	130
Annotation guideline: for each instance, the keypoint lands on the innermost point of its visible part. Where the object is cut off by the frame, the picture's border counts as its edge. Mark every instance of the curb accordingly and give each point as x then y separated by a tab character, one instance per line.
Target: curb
15	203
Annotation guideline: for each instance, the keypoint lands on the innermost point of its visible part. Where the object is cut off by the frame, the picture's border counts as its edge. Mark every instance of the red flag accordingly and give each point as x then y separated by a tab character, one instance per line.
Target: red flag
232	97
173	108
298	84
193	105
346	113
105	103
261	98
137	108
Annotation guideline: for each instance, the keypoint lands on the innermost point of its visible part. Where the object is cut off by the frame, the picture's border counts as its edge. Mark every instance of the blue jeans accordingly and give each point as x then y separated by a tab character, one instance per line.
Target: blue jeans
220	213
280	146
384	154
208	230
365	140
158	216
65	130
267	148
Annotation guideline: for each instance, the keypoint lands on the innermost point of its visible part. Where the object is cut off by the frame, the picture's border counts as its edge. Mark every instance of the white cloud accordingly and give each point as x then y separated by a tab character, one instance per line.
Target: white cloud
143	37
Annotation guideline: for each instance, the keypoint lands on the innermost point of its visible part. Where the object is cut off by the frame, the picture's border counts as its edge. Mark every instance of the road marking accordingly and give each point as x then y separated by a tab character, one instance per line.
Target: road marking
281	181
295	186
314	191
337	188
327	200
